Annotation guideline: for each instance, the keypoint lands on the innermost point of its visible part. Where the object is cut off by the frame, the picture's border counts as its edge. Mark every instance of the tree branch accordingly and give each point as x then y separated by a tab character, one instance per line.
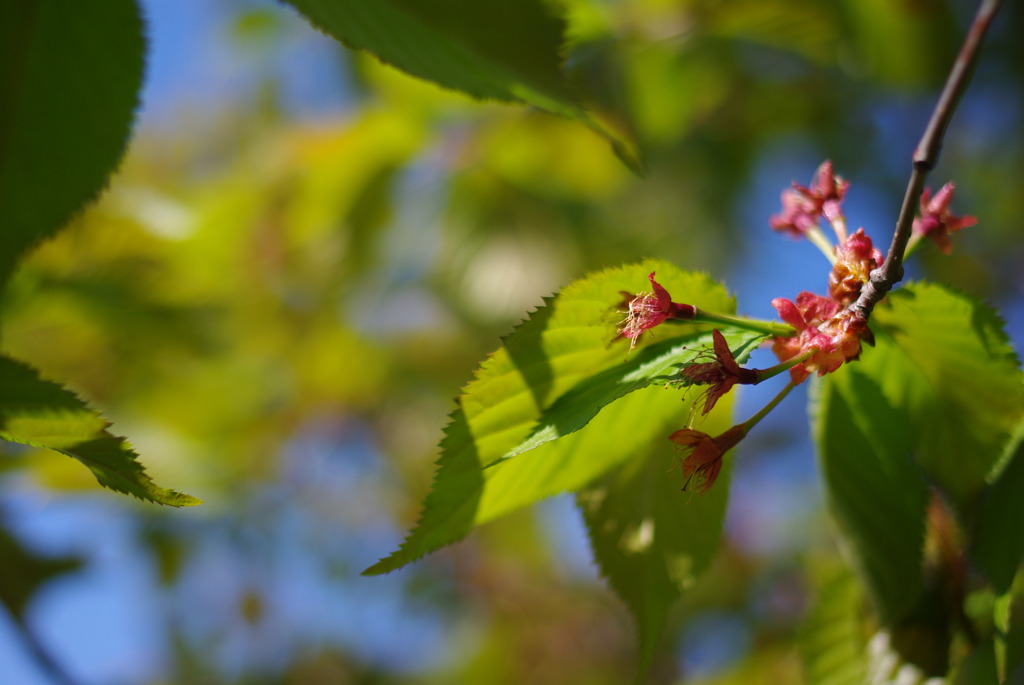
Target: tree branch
925	156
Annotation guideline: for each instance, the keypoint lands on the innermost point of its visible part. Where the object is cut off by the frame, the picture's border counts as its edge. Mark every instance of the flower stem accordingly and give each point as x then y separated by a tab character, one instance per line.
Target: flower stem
818	239
912	244
839	226
771	328
772	371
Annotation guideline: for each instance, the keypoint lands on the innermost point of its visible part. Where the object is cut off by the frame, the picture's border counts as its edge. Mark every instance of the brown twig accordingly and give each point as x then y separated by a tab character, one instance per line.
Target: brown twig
925	156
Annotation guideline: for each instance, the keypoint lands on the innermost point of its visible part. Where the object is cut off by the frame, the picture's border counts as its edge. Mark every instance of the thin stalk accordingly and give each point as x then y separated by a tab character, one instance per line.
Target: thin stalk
771	328
773	371
925	157
839	226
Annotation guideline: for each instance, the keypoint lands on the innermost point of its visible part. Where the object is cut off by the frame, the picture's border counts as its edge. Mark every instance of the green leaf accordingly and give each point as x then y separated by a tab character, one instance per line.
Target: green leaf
945	362
935	401
874	489
43	414
509	51
70	74
979	666
1002	610
562	345
899	45
997	538
657	364
1009	638
650	540
832	641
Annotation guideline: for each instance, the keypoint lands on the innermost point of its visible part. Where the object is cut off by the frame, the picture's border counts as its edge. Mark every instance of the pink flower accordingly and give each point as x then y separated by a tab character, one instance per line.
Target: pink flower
855	260
704	460
647	310
802	207
828	332
721	374
798	215
936	221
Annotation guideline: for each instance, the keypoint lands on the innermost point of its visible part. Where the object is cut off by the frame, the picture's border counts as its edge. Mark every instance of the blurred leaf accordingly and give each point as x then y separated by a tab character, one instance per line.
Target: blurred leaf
997	538
552	158
979	666
23	572
69	81
806	27
43	414
673	91
873	487
1002	609
944	360
254	26
832	640
509	51
1009	639
561	345
897	41
650	540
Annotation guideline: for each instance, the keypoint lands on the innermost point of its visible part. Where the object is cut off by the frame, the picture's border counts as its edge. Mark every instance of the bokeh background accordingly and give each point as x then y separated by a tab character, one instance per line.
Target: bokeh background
303	258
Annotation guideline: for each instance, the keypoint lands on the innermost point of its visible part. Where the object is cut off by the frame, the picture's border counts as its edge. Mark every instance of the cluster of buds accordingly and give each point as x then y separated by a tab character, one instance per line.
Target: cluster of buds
803	207
823	332
829	332
828	335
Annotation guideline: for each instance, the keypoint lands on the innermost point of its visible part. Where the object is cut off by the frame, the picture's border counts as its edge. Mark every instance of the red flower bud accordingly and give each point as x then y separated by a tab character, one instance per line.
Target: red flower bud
854	262
802	207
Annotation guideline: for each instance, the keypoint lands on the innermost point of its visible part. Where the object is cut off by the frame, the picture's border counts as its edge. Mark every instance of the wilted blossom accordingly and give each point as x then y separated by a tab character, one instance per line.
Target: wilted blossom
802	207
830	333
855	259
647	310
721	374
936	221
704	460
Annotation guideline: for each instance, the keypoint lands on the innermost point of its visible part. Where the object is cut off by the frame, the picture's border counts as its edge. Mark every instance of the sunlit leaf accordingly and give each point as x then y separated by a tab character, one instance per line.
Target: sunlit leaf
37	412
69	80
562	345
650	540
657	364
944	359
